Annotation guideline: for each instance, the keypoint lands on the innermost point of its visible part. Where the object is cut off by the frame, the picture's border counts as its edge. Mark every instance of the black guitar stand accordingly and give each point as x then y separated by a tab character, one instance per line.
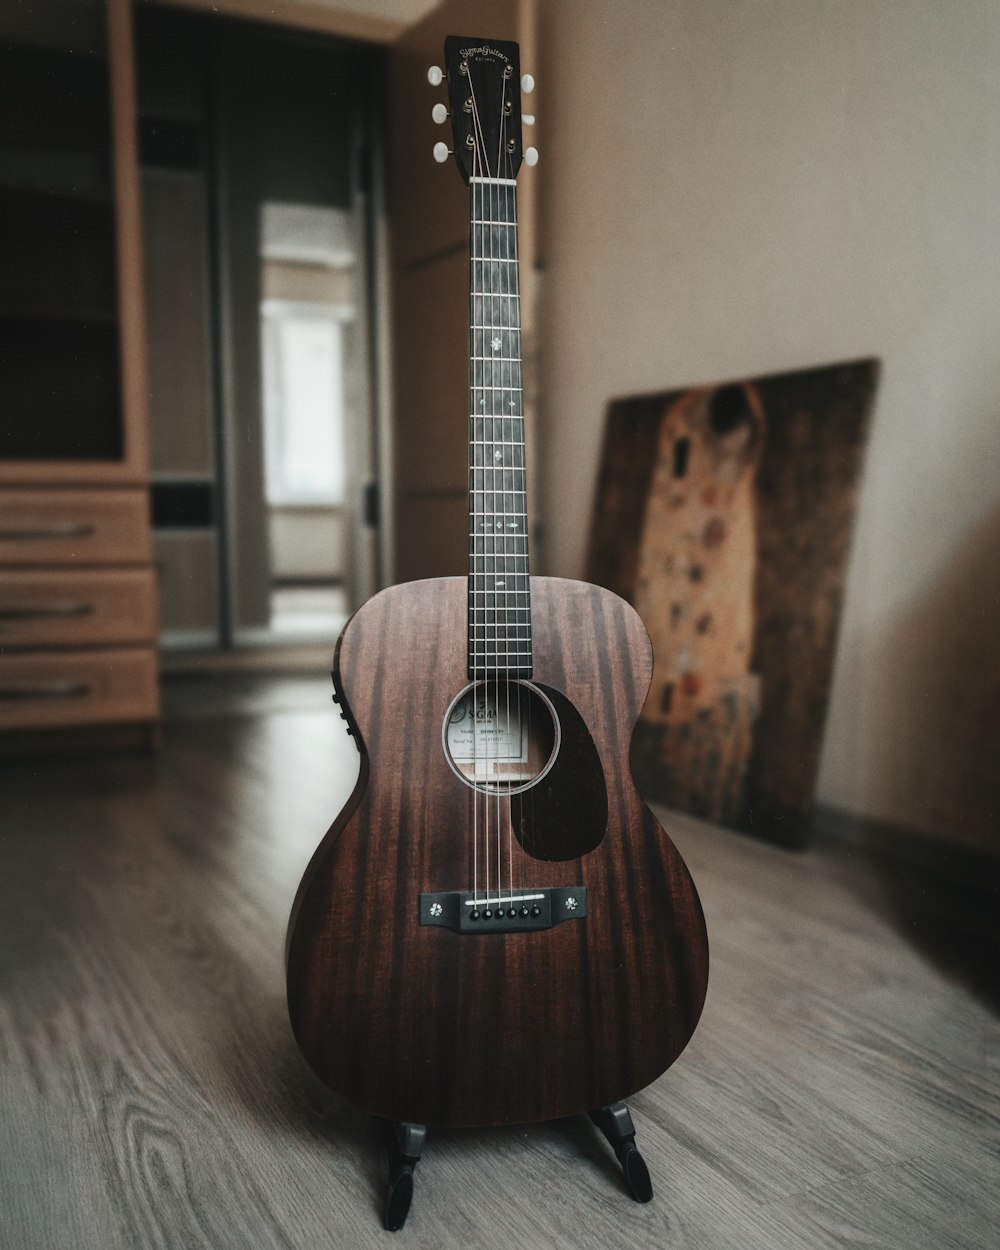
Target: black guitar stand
404	1144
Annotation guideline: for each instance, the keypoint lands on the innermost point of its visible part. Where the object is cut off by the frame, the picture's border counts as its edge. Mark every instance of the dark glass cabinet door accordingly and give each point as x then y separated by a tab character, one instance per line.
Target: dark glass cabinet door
60	367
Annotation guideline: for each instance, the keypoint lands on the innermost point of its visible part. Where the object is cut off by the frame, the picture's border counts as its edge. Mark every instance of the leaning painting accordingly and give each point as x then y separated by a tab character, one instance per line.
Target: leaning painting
724	515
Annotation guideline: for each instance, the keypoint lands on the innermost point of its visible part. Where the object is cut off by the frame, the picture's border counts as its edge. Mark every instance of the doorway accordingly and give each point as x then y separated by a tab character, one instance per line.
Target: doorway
314	400
257	146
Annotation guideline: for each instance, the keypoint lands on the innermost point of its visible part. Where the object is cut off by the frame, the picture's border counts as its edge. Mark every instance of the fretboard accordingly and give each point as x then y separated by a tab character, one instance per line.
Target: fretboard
499	588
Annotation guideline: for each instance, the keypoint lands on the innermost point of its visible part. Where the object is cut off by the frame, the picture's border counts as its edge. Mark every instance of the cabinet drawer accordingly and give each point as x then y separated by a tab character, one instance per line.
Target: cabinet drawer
78	688
53	608
74	527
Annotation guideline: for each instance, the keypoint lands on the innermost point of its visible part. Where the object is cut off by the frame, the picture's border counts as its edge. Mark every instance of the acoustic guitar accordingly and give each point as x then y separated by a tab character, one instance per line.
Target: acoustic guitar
495	929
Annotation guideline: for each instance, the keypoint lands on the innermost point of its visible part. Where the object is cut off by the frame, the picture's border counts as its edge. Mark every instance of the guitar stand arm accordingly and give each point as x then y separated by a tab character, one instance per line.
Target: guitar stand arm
404	1143
616	1124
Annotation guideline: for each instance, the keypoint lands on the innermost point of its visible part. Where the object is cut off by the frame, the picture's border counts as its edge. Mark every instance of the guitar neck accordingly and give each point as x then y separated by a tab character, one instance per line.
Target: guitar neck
499	586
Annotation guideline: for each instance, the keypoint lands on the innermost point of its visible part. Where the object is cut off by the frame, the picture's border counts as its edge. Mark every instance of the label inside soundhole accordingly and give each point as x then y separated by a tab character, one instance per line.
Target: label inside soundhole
500	737
488	738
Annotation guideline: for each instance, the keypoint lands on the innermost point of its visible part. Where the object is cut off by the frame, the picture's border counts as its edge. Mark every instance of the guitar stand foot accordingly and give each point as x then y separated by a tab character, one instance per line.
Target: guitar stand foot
616	1124
404	1144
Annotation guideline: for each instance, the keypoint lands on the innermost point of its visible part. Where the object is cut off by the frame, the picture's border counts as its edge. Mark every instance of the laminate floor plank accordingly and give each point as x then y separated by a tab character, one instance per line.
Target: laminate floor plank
842	1089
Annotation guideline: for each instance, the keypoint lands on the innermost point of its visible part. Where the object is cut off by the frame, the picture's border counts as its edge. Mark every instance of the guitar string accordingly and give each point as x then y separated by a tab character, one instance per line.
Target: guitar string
507	477
510	198
493	220
498	365
498	510
497	513
496	311
522	479
474	563
478	162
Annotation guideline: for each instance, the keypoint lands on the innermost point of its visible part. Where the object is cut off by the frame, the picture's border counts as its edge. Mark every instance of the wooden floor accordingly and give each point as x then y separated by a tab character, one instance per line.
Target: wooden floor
841	1091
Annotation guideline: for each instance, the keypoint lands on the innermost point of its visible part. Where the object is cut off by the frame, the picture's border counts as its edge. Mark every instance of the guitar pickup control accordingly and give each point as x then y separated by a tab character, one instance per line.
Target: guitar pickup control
517	911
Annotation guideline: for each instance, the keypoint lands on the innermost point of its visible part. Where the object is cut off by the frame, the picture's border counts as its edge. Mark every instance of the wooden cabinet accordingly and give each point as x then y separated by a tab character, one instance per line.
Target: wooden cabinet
77	586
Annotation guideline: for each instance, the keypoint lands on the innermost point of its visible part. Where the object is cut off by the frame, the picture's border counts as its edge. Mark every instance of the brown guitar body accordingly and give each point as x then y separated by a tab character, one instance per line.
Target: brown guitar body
420	1023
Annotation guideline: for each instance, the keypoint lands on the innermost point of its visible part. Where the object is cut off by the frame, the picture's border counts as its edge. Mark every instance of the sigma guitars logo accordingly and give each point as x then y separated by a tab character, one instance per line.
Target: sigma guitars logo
485	53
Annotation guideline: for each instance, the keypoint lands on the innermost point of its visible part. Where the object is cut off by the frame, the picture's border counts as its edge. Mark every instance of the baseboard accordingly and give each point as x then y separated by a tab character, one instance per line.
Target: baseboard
967	867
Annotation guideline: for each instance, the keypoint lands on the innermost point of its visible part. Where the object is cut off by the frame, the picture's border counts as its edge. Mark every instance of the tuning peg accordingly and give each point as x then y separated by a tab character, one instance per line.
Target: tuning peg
528	119
527	84
440	113
531	156
434	76
441	152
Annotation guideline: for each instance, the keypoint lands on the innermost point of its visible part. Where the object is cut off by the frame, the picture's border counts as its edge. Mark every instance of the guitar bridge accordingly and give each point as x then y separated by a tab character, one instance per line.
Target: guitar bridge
517	911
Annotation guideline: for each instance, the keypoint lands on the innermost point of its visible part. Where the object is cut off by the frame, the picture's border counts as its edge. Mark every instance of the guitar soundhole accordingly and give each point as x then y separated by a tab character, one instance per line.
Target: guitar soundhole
501	737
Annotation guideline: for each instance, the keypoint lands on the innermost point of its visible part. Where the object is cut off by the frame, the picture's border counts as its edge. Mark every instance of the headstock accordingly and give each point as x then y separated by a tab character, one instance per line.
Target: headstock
484	94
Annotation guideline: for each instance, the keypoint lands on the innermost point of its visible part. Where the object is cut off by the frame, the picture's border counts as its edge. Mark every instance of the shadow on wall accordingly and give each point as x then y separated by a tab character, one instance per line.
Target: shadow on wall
936	676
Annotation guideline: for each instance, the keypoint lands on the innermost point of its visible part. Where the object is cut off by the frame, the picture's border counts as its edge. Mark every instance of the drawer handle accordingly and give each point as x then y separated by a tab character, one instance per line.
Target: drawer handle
71	530
44	611
46	690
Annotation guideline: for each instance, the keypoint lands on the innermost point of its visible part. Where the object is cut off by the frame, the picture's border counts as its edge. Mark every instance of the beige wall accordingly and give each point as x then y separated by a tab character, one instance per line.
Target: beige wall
731	188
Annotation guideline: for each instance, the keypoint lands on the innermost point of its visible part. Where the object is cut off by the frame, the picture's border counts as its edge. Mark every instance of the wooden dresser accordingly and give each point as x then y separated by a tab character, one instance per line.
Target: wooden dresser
78	612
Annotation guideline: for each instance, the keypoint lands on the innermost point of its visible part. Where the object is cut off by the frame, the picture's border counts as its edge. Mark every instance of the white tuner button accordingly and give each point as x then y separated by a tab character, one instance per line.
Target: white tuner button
527	84
441	152
528	119
439	113
434	76
530	156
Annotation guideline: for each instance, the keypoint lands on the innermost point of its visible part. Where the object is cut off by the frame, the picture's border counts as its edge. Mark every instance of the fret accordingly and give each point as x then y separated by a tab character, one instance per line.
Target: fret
510	434
494	240
496	309
478	298
498	603
493	277
493	659
516	631
481	380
